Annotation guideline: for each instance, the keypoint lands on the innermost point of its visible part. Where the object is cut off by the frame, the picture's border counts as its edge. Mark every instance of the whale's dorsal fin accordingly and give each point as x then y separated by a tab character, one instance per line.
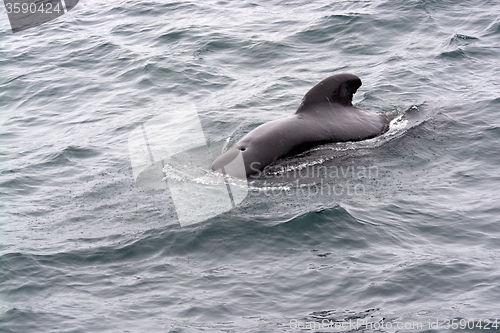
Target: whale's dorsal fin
334	89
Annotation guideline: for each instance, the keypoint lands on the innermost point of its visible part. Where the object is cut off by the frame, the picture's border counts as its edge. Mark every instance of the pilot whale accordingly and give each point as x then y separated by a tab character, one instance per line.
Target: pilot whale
325	115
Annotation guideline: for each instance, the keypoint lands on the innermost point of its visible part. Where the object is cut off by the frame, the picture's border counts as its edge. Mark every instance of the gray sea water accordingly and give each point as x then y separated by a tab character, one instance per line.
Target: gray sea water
411	246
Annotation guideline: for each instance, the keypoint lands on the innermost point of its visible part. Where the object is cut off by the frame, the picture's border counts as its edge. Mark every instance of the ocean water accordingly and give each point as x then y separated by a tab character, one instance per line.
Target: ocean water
397	233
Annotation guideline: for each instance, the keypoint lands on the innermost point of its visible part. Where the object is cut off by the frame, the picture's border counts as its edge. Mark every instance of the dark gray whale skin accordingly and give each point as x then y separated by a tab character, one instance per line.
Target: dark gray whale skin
325	114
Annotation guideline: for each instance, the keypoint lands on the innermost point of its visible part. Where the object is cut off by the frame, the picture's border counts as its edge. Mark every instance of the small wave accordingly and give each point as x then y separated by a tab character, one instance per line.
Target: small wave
199	176
459	39
455	54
